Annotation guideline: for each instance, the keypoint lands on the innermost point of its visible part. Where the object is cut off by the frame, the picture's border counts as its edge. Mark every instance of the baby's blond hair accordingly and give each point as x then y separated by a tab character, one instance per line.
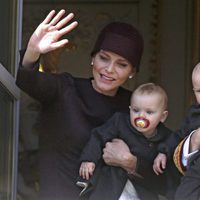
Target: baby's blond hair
196	70
151	88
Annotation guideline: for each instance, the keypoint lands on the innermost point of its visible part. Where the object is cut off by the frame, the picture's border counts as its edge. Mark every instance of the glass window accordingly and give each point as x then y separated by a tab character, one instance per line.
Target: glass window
9	15
6	144
5	33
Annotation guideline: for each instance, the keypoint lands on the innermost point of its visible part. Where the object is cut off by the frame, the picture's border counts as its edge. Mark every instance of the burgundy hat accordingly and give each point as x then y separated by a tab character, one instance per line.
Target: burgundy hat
123	39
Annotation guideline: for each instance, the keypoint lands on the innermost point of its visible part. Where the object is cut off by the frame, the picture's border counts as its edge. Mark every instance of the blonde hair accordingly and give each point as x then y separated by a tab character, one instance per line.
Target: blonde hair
196	70
151	88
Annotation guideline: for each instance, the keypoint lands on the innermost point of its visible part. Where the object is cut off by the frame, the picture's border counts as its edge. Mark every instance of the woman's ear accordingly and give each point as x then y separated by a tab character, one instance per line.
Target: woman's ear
132	73
164	116
92	62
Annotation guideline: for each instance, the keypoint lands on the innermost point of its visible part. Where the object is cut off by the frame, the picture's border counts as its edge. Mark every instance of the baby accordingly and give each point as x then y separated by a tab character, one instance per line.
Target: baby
191	123
142	130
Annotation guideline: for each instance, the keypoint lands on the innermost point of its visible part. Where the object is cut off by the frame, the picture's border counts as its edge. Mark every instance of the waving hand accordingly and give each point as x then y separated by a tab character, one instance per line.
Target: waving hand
47	35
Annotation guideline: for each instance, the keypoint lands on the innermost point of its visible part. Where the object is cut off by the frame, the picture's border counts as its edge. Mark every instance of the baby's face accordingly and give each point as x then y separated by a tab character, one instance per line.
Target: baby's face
196	86
146	111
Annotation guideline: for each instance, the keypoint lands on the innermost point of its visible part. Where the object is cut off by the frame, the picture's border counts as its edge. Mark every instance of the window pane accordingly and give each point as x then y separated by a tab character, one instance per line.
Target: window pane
6	145
6	34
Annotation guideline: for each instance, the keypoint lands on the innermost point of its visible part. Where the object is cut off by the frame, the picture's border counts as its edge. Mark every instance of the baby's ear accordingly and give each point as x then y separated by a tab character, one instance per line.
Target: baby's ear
164	116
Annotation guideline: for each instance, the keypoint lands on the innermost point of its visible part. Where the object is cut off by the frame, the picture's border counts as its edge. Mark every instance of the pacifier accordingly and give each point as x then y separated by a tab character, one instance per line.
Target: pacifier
141	122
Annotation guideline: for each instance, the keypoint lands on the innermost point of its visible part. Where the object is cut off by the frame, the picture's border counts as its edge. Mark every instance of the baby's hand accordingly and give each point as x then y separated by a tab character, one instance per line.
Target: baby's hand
86	169
160	163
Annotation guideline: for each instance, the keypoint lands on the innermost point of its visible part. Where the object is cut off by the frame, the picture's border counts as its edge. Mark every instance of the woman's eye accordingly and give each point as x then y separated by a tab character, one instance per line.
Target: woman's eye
103	57
149	112
122	65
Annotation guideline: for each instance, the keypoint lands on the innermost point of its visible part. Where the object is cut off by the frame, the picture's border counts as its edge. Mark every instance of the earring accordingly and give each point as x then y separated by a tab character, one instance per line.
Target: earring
131	76
92	63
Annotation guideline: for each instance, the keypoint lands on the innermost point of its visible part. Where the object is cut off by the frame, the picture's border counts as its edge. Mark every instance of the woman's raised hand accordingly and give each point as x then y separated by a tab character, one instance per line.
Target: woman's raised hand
46	36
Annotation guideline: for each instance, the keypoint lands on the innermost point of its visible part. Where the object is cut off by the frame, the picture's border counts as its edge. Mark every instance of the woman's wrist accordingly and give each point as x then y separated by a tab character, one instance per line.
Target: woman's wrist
30	57
129	163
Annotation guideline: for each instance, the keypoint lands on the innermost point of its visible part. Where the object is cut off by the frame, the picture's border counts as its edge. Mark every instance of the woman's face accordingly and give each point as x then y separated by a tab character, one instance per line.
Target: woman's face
110	71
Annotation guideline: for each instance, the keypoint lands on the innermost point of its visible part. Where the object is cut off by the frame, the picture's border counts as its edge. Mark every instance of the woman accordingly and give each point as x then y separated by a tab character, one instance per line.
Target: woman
71	106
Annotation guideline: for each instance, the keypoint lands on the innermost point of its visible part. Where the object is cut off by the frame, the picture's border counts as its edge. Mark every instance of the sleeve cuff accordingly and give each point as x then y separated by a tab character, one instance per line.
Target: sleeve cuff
186	146
182	155
177	157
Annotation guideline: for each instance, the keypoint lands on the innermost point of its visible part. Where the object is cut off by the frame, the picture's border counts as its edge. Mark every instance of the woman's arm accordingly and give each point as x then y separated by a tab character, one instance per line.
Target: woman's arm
46	36
99	136
117	153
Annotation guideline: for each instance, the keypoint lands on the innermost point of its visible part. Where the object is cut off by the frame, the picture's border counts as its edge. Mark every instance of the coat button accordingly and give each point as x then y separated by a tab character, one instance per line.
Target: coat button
151	144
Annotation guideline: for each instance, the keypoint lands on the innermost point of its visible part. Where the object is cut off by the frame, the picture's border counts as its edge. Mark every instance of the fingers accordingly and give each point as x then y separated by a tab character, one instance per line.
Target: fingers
57	23
84	173
105	157
57	17
68	28
64	21
163	164
157	168
53	21
86	170
59	44
160	163
49	17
